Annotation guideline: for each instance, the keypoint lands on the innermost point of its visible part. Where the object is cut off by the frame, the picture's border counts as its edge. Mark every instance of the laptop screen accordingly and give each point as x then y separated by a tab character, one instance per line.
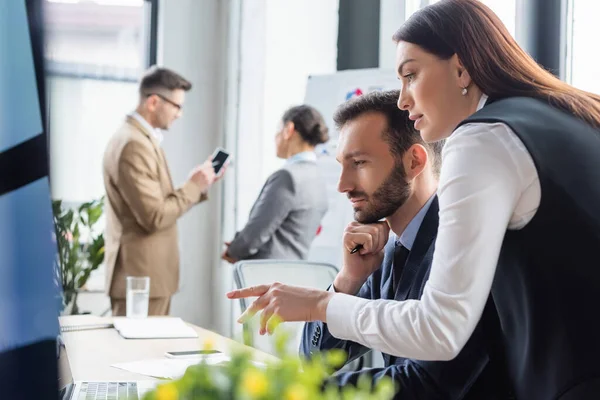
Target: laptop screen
29	301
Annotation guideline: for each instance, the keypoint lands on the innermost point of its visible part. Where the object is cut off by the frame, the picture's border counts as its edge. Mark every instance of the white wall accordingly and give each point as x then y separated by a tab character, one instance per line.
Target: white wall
192	36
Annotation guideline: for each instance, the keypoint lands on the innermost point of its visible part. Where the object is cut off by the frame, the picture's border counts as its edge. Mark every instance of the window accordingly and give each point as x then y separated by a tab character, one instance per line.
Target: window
95	52
582	55
504	9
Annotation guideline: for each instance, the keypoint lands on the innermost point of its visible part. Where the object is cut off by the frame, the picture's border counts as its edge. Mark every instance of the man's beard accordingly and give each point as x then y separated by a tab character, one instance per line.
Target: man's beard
388	197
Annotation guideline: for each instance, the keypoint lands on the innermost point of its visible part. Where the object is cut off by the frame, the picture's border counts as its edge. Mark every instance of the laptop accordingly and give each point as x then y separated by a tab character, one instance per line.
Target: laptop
98	390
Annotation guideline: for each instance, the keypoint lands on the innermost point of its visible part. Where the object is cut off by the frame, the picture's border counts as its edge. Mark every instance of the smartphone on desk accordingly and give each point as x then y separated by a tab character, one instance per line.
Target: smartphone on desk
219	158
191	353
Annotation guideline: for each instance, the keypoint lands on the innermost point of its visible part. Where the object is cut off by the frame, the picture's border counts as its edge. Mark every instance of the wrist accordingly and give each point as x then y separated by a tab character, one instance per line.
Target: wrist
348	284
321	308
198	185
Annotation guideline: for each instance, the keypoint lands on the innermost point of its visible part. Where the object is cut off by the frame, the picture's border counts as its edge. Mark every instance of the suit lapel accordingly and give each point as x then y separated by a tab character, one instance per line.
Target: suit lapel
163	159
132	121
425	236
160	154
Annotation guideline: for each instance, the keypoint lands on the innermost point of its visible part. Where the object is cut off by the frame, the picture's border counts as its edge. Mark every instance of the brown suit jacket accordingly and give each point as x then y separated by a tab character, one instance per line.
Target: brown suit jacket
142	209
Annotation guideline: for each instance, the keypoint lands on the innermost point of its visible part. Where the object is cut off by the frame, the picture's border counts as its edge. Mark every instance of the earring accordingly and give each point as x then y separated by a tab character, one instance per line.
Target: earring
464	91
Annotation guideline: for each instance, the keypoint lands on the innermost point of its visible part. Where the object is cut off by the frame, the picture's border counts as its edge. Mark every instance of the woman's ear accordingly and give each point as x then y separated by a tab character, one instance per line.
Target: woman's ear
288	130
415	160
462	75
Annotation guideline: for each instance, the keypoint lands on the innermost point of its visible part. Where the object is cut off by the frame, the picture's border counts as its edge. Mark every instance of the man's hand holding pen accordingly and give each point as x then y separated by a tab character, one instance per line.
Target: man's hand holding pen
363	254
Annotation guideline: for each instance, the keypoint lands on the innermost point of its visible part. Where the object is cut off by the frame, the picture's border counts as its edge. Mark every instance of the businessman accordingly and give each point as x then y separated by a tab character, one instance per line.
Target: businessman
143	205
389	172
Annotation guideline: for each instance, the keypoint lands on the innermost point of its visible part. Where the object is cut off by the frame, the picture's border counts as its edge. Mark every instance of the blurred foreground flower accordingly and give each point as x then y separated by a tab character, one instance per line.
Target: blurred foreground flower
167	391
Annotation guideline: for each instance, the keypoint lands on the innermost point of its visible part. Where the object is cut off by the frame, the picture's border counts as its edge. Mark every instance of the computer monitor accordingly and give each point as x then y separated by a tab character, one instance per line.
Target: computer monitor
29	301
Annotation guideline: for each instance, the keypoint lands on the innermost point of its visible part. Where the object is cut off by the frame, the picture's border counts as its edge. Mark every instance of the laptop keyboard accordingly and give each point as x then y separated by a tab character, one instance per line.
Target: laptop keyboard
108	391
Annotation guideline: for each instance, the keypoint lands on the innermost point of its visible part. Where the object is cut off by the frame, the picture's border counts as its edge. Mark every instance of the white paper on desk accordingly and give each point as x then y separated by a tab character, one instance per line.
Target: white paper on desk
174	368
153	328
168	368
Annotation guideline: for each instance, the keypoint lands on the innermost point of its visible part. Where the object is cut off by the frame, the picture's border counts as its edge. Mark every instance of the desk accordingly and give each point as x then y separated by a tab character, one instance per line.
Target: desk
92	352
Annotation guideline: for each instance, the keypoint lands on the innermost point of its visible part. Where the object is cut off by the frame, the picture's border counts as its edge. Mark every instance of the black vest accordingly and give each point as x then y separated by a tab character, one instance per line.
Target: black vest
547	283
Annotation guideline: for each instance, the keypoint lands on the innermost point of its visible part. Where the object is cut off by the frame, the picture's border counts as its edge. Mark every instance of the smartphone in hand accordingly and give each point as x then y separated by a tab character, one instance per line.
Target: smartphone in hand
219	158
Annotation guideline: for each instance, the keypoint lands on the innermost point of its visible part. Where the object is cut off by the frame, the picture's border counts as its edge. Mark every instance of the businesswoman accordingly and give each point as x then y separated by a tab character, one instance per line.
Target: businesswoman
519	199
285	218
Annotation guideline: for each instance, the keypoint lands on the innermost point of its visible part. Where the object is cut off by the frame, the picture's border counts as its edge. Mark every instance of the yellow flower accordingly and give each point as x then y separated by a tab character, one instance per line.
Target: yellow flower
296	392
168	391
209	344
254	383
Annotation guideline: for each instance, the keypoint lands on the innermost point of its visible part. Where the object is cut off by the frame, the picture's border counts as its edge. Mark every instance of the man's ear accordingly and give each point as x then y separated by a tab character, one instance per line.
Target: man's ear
151	102
415	160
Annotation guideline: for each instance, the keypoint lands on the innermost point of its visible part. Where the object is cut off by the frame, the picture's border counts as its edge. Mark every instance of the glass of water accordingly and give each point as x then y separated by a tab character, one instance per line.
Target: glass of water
138	295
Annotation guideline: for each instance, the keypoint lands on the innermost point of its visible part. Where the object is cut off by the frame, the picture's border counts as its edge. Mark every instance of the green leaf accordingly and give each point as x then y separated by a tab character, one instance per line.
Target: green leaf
77	259
336	358
94	214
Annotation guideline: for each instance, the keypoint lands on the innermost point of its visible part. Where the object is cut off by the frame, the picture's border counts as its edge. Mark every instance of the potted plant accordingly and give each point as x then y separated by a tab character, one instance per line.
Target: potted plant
288	378
80	248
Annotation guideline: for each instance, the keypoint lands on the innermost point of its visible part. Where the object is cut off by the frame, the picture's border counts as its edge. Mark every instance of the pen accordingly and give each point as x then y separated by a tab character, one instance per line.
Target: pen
357	248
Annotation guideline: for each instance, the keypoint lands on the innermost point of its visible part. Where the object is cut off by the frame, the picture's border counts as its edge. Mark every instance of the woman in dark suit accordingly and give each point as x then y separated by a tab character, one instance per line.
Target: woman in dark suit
519	199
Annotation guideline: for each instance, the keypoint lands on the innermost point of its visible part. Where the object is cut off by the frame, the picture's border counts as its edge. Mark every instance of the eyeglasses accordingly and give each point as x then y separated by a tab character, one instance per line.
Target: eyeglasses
177	106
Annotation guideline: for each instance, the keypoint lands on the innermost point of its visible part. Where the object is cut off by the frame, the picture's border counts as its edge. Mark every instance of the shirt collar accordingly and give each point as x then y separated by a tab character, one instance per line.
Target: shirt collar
482	100
407	239
310	156
155	132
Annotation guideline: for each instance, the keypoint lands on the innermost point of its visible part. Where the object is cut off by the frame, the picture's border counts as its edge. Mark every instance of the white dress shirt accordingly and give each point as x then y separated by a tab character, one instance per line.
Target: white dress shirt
158	135
407	238
488	184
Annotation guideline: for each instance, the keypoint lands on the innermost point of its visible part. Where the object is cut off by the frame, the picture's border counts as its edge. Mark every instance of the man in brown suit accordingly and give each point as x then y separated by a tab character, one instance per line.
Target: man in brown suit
143	206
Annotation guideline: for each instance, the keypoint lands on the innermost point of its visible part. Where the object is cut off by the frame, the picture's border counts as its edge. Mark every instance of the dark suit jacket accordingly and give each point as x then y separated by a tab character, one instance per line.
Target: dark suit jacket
478	372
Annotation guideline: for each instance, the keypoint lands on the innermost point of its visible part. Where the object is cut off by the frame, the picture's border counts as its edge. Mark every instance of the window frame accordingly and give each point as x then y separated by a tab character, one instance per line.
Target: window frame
110	73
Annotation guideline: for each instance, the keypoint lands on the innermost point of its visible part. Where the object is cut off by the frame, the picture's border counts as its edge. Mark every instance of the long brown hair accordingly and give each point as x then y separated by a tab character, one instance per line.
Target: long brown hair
496	63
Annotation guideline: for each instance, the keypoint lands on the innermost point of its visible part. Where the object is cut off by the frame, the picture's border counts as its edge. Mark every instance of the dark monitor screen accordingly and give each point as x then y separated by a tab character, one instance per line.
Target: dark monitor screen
29	295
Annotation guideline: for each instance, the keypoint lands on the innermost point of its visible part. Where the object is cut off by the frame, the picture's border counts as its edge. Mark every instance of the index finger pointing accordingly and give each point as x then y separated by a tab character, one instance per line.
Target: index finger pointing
253	291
